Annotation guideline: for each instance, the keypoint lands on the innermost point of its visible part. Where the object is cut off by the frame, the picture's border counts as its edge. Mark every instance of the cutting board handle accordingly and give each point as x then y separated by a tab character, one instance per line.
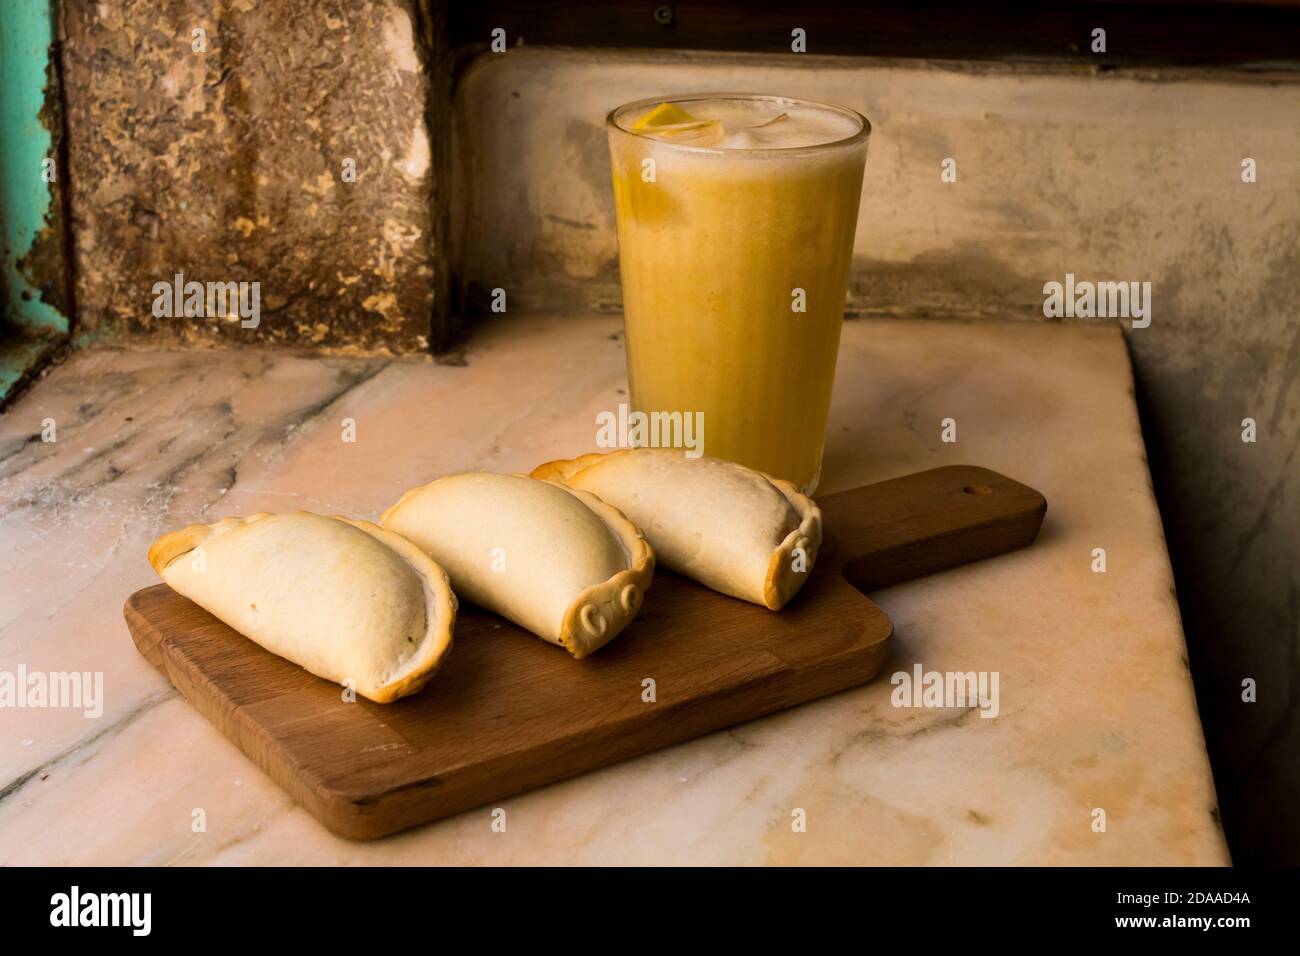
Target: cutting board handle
918	524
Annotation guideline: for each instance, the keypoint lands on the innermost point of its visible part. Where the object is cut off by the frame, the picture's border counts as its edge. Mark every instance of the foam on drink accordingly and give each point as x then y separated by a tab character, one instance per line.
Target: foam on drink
744	124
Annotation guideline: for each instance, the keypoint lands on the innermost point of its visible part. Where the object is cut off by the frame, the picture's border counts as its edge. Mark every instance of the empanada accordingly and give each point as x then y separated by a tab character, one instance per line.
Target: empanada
731	528
560	563
344	599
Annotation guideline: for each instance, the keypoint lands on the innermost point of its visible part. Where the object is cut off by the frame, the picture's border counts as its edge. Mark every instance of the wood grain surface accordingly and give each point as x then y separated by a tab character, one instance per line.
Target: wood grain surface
508	712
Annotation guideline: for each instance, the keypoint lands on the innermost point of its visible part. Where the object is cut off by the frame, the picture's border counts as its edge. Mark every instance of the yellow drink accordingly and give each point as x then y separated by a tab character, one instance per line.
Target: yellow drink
735	227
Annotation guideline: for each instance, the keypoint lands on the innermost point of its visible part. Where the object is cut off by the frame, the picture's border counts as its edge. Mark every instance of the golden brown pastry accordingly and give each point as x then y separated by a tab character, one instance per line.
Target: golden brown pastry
558	562
344	599
727	526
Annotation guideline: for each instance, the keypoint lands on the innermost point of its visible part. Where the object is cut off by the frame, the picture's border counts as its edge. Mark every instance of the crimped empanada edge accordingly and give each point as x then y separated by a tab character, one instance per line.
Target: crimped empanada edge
440	613
562	469
782	580
173	545
615	602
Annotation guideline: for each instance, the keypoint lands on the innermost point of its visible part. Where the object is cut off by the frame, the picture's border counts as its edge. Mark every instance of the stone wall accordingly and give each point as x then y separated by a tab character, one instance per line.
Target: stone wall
279	143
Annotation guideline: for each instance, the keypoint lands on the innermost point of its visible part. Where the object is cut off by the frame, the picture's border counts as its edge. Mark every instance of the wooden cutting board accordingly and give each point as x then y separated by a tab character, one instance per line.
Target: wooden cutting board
508	712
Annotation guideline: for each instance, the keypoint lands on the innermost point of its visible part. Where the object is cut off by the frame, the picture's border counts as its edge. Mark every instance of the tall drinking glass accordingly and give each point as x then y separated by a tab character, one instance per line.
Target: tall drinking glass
736	216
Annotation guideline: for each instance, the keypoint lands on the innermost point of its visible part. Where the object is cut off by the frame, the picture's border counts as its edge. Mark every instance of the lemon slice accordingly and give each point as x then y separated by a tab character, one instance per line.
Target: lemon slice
665	114
670	122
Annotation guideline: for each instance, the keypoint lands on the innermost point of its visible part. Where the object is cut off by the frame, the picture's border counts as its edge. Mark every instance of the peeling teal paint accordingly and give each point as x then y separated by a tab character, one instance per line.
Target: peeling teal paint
30	325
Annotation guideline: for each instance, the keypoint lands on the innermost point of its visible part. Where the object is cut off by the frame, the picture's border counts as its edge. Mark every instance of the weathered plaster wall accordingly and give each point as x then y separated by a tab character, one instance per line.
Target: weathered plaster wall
1110	176
34	302
228	164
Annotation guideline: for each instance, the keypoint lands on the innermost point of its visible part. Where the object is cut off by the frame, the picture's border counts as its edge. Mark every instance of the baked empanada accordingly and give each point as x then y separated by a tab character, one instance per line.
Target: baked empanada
727	526
344	599
558	562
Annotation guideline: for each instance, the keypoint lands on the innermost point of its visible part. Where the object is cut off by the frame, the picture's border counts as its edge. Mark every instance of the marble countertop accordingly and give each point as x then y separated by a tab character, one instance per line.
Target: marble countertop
1096	706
